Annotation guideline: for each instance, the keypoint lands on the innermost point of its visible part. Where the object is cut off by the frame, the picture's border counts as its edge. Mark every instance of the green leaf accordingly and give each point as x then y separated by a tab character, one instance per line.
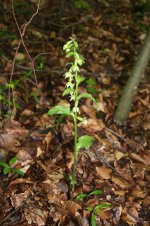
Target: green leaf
81	196
72	180
86	95
68	74
93	220
102	206
96	192
17	171
6	170
84	142
67	45
92	90
70	54
79	118
67	91
70	85
4	164
75	68
13	160
79	79
90	209
60	110
91	82
1	97
10	85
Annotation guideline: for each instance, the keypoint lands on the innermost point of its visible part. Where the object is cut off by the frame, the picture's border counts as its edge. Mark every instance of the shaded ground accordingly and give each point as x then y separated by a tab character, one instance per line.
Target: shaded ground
110	34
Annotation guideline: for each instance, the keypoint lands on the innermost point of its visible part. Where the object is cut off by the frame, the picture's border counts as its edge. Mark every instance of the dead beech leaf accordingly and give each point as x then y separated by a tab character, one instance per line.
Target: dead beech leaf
23	155
89	111
93	125
27	113
128	219
119	155
39	152
17	132
117	214
120	192
105	214
35	214
48	139
72	207
139	192
2	80
7	142
120	182
20	181
18	199
103	172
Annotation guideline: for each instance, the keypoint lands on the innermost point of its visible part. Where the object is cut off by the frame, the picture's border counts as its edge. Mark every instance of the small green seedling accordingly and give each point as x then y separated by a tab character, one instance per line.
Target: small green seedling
82	196
81	4
95	210
6	35
7	167
74	79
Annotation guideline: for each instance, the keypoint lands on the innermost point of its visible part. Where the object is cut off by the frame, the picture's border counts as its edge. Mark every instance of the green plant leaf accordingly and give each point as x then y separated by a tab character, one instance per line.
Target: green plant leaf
90	209
13	160
92	90
86	95
67	91
10	85
81	197
96	192
17	171
60	110
70	54
72	180
79	79
6	170
84	142
102	206
1	97
80	118
68	45
93	220
91	82
4	164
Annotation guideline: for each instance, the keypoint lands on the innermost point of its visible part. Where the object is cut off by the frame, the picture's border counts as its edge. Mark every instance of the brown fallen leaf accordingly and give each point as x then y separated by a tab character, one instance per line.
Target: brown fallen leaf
120	182
103	172
139	192
117	214
18	199
72	207
35	214
119	155
93	125
105	214
7	141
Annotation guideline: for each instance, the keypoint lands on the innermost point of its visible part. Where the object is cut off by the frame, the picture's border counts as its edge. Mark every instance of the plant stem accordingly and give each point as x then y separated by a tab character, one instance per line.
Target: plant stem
75	140
75	154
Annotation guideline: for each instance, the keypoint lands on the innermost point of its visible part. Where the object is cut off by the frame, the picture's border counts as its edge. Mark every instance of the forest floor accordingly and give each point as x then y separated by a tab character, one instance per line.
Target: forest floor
118	163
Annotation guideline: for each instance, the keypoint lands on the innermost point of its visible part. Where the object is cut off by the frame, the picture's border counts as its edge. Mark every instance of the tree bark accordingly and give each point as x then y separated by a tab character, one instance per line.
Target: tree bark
131	86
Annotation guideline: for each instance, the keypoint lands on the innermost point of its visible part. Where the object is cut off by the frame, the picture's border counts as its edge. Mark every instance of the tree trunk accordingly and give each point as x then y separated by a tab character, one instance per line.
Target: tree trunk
131	86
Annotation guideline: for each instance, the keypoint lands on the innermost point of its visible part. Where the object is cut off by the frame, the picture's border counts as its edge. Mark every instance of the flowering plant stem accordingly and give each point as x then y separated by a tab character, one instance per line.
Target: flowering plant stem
73	80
